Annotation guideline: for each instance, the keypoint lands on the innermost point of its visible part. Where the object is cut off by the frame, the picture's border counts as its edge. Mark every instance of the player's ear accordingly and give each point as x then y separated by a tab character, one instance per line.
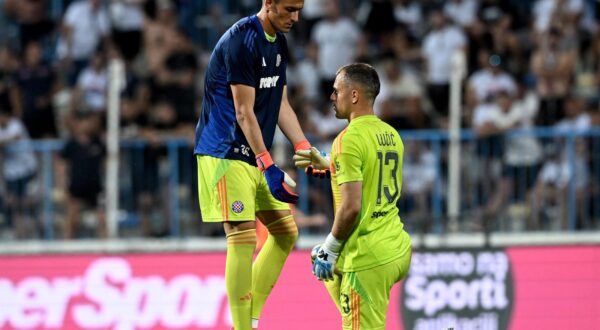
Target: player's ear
355	96
268	4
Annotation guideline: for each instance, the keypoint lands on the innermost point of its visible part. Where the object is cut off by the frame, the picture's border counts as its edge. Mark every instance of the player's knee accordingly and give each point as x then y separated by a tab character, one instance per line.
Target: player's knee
284	231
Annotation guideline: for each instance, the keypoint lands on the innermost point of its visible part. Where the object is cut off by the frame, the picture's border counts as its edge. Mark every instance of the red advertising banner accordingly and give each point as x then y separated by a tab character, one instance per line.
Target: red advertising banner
513	288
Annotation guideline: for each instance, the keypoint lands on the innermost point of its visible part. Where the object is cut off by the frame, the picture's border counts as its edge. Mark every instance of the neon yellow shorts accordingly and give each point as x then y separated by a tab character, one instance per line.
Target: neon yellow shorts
231	190
365	295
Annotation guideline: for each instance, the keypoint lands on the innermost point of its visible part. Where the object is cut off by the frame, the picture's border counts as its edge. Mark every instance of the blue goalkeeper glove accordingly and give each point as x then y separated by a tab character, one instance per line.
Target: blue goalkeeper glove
326	255
278	181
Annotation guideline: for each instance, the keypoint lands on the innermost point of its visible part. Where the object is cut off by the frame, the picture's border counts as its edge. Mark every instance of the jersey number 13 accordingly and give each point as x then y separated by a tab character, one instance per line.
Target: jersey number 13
388	169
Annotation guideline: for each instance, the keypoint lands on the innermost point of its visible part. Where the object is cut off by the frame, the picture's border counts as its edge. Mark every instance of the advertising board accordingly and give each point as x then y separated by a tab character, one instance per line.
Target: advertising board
513	288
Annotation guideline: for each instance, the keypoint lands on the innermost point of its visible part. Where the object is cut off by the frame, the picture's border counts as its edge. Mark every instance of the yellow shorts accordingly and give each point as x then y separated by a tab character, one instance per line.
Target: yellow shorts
365	295
232	190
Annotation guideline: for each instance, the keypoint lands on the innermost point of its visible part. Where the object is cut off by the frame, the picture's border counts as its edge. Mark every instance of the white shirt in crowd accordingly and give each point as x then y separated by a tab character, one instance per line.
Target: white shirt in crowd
461	12
559	173
579	124
88	28
93	85
522	150
420	172
126	16
438	49
543	11
313	9
337	42
307	74
18	163
485	83
408	85
409	15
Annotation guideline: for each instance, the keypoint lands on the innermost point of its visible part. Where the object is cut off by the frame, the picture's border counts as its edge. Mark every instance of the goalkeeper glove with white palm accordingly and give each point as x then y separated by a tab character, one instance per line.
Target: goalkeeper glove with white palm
313	161
326	255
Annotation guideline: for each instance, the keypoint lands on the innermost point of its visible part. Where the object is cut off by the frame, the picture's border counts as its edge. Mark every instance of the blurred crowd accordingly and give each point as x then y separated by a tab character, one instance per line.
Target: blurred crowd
529	64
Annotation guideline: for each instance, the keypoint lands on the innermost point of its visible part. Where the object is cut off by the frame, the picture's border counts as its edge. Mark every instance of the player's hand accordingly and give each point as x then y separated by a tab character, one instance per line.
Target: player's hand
313	161
280	184
324	263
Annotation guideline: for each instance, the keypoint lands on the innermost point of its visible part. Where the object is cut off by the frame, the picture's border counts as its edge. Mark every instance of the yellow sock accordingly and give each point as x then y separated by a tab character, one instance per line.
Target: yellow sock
238	276
269	262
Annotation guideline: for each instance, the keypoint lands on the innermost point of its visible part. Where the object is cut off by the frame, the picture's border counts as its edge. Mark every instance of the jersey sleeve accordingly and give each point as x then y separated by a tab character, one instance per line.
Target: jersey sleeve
347	159
285	53
239	56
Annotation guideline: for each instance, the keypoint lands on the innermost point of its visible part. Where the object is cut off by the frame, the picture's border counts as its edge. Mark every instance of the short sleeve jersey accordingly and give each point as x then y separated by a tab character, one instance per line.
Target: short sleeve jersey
371	151
243	55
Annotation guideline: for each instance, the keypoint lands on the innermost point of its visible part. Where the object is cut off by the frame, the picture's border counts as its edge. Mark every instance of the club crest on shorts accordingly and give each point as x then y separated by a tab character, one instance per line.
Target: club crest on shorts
237	207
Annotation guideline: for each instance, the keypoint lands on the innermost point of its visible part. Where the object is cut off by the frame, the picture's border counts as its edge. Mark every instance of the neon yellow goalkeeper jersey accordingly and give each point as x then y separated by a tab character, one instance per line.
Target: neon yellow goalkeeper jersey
369	150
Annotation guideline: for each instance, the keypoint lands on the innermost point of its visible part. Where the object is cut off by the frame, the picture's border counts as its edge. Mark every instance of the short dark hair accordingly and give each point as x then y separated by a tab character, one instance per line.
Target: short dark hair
364	75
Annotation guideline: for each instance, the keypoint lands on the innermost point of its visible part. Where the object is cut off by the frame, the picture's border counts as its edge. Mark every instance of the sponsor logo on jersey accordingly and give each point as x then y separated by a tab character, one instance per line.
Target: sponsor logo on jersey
378	214
268	82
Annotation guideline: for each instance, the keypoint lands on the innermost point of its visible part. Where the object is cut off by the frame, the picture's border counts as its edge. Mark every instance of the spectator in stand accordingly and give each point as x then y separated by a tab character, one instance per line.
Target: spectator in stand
37	84
400	98
312	12
9	93
522	156
159	32
83	156
439	46
549	12
91	91
494	29
85	26
409	14
421	166
160	124
127	20
403	47
307	76
379	22
461	12
325	125
492	12
553	67
337	38
550	197
32	18
576	120
488	81
19	170
174	79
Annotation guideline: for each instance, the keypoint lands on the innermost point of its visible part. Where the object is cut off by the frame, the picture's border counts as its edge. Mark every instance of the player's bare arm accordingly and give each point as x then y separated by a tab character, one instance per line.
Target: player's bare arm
347	213
288	121
243	100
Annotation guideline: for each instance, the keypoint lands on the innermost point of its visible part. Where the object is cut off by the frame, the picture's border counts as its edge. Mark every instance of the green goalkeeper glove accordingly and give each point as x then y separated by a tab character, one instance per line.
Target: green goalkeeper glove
311	157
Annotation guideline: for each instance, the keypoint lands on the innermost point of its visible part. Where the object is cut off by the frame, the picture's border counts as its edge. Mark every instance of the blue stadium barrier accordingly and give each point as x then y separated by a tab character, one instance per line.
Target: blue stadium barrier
584	204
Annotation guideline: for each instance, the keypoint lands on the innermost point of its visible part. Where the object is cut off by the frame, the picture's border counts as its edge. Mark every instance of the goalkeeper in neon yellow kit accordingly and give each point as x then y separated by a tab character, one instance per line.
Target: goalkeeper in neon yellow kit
367	247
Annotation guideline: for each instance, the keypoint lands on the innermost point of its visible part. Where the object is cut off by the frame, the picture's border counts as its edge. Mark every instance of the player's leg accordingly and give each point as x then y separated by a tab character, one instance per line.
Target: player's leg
365	295
283	232
227	191
241	242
